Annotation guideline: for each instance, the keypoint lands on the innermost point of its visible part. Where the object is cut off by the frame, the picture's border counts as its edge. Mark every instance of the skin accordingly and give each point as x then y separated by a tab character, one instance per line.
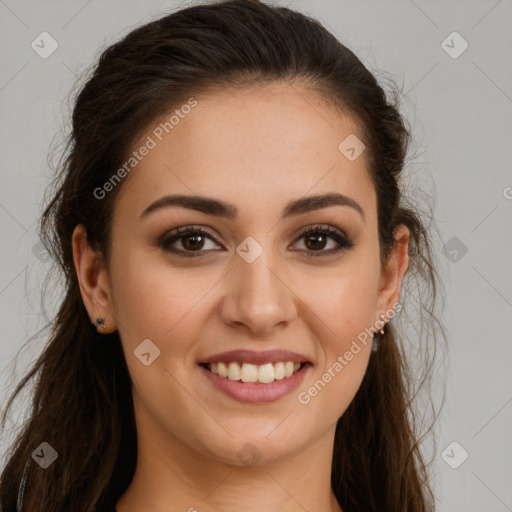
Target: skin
258	149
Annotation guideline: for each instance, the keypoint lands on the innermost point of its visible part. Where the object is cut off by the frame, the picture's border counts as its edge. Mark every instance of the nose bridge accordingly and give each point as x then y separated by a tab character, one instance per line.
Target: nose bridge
257	296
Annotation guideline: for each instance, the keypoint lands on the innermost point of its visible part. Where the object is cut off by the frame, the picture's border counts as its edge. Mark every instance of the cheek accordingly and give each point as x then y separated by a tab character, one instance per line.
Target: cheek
163	304
149	298
345	301
137	296
153	301
346	308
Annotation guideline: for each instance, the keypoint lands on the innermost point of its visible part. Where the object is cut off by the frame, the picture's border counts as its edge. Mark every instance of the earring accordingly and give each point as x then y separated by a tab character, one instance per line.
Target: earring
99	321
382	318
375	338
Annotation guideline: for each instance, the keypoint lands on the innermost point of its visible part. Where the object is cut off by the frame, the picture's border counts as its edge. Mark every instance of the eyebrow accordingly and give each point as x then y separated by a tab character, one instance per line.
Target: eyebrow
212	206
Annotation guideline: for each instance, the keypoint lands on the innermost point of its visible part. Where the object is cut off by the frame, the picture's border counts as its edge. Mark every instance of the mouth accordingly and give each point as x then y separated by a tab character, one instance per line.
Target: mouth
254	373
256	384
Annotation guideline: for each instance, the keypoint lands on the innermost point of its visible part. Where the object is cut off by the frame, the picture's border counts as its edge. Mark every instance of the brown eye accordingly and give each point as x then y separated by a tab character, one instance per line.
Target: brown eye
192	240
317	238
316	242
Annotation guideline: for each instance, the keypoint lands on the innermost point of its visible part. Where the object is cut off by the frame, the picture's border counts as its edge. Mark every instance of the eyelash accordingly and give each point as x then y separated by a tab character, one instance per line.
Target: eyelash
165	241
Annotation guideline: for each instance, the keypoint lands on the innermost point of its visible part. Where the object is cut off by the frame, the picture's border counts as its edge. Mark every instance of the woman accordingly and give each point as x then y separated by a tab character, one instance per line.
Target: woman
234	242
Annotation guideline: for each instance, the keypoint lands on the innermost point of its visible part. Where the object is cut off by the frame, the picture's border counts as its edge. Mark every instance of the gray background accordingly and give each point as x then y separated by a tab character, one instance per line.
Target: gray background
460	112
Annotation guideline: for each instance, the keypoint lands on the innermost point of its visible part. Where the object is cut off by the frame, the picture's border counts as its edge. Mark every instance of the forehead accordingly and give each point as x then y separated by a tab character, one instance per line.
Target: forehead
254	145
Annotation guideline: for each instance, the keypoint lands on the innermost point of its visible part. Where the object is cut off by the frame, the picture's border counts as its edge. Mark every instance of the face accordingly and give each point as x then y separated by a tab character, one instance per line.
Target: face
245	276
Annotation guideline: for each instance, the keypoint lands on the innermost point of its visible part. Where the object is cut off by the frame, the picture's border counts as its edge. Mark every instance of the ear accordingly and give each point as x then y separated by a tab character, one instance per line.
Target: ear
394	271
93	280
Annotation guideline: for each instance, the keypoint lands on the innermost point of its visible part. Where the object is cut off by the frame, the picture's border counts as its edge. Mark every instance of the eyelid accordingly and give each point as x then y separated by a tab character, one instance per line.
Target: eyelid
181	231
321	227
343	241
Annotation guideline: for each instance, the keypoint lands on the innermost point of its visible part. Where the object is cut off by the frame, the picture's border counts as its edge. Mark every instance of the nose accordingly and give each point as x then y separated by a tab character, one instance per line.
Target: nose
258	297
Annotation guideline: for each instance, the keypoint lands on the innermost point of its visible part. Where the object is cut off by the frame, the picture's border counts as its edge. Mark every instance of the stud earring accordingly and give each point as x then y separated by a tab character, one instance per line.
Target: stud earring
99	321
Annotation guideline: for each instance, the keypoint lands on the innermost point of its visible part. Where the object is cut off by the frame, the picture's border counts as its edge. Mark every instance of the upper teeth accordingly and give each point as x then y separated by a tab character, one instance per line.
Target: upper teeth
246	372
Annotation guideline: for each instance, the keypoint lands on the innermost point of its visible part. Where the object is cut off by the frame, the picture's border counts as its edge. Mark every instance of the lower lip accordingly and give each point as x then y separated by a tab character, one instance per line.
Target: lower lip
257	392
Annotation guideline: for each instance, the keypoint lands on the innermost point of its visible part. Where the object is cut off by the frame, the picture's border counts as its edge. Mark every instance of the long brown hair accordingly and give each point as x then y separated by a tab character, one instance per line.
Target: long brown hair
82	401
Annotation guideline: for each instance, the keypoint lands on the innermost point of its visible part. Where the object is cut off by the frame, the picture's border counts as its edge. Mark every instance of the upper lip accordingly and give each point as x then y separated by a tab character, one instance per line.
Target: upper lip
252	357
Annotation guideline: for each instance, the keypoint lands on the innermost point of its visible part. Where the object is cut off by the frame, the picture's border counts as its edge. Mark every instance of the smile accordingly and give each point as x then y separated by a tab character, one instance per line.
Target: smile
255	383
246	372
